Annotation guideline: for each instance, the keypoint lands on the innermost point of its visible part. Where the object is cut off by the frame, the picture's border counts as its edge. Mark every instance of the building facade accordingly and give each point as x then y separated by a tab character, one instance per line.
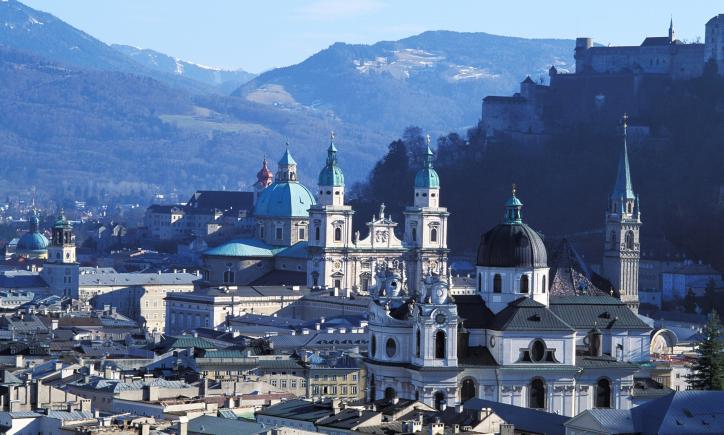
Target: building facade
339	258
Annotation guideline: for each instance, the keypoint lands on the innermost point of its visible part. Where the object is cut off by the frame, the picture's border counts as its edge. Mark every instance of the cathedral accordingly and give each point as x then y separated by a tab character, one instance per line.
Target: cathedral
340	259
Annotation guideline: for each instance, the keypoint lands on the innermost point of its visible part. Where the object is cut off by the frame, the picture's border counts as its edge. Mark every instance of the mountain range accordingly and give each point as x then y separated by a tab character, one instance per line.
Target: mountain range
79	113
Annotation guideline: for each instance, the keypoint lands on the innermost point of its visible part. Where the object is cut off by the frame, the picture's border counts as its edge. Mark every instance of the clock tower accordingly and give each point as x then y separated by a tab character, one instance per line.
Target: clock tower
61	270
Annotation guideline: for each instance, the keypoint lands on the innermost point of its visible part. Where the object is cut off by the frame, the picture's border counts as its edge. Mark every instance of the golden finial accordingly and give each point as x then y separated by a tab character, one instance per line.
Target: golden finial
515	189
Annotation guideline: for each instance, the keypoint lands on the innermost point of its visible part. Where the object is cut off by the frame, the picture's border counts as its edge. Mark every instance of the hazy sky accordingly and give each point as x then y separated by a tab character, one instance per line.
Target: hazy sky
258	35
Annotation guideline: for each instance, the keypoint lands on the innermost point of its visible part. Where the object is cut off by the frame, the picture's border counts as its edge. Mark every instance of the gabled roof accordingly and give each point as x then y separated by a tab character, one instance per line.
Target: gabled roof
524	419
570	275
525	314
7	378
604	312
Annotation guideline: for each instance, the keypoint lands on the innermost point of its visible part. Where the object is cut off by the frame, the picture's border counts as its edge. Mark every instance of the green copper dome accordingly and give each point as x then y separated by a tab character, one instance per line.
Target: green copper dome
331	174
33	240
427	178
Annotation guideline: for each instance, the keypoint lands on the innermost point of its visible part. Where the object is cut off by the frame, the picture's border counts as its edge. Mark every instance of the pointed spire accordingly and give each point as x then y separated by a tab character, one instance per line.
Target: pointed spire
513	209
428	152
331	151
672	32
623	188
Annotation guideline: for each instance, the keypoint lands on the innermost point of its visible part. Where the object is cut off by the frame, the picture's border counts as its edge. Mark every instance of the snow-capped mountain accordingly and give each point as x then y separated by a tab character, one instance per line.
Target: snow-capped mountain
225	80
435	79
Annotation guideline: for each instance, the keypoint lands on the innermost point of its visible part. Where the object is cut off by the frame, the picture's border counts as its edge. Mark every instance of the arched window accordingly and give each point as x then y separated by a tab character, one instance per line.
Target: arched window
418	343
497	283
543	284
390	393
228	277
414	234
337	234
524	282
373	345
440	344
629	240
433	235
537	350
537	394
438	399
261	233
603	393
391	347
316	233
467	391
613	236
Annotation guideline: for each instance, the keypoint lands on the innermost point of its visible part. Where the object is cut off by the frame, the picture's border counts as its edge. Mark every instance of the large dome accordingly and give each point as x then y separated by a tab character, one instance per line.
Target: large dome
33	241
285	199
512	245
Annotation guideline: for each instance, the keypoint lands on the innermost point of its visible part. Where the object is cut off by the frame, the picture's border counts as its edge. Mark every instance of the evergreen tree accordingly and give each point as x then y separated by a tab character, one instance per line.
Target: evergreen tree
709	302
708	370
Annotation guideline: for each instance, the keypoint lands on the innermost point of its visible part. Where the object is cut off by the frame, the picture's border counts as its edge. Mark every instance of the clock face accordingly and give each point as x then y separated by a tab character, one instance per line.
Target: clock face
440	318
492	341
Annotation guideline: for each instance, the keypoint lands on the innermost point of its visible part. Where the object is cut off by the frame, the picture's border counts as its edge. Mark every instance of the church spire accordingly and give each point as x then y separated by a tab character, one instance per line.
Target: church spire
672	32
623	189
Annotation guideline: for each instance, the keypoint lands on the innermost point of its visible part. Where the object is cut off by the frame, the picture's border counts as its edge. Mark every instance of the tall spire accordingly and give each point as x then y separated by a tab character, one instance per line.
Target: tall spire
331	151
623	188
672	32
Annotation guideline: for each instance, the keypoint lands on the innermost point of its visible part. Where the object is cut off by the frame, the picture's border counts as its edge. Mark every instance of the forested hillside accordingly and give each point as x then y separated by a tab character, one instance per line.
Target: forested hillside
565	184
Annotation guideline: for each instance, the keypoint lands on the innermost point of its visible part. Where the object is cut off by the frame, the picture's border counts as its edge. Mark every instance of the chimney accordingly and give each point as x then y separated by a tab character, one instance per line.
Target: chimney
53	324
183	425
395	400
437	428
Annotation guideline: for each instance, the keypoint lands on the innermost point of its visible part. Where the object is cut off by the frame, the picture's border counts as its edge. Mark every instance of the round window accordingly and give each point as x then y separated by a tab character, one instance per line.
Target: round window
537	350
391	347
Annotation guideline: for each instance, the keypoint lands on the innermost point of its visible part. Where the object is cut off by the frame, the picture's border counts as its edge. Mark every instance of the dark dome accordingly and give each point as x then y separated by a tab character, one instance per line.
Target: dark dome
512	245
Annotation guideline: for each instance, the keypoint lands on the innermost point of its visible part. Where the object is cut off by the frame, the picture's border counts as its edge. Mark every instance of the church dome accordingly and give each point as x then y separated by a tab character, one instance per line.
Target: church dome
33	240
512	243
331	176
264	176
285	199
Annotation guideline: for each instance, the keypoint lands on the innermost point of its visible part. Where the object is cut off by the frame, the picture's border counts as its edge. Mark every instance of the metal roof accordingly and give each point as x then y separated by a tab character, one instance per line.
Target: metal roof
136	279
525	314
207	424
524	419
285	199
244	248
604	312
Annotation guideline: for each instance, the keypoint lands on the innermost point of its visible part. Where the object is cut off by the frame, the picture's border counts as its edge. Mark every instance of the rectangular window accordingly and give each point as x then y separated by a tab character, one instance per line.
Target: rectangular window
301	234
279	233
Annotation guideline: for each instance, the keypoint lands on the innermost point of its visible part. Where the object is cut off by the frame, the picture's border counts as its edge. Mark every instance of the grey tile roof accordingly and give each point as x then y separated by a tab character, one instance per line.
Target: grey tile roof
298	410
21	279
207	424
604	312
524	419
617	421
603	362
136	279
71	415
525	314
473	311
347	419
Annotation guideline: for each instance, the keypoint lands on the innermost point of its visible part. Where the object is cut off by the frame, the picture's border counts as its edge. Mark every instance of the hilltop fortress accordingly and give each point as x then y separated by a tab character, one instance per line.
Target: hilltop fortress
608	81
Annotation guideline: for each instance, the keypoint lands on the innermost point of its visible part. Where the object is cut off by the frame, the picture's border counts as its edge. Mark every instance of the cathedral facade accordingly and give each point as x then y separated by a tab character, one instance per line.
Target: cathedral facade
339	258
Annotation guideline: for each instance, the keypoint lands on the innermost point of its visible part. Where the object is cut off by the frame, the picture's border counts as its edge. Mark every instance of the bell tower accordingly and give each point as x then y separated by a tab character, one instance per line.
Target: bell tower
622	248
330	229
426	224
61	270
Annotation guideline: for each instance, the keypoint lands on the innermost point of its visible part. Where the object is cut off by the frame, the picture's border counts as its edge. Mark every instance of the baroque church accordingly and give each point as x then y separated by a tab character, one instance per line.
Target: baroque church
522	337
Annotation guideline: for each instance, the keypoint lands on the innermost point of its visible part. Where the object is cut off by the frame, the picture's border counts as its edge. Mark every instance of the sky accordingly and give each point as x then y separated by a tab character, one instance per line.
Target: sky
259	35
